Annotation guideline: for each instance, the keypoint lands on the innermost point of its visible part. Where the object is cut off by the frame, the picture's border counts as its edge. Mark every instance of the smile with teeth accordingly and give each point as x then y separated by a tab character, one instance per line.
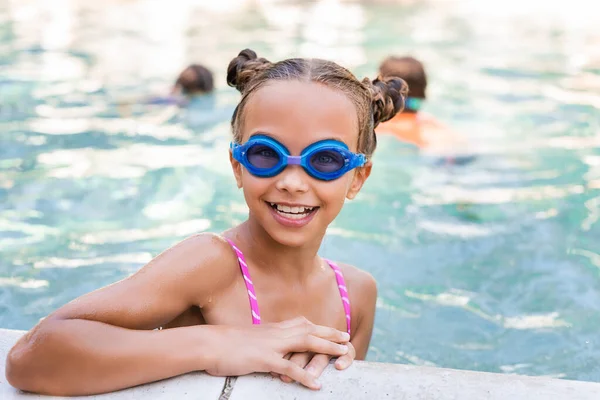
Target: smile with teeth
292	212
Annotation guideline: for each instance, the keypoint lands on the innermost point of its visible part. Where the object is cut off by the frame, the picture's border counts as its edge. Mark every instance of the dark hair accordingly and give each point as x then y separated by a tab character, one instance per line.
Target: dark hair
411	70
375	101
195	78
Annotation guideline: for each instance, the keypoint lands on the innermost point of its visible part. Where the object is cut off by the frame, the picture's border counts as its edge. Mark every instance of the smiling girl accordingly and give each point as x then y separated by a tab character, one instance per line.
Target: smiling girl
257	298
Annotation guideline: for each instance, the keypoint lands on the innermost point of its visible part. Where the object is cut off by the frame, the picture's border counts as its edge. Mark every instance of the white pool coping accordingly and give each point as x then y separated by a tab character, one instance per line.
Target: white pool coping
363	380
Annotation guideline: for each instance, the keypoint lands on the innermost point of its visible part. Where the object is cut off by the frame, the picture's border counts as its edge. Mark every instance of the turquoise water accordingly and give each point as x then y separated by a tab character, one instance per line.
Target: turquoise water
493	266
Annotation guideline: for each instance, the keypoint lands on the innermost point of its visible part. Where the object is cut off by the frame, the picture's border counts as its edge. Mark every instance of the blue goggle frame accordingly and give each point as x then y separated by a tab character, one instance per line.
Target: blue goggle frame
351	160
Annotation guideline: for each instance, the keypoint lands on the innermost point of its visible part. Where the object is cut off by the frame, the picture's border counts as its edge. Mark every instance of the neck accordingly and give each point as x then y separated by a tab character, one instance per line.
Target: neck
274	258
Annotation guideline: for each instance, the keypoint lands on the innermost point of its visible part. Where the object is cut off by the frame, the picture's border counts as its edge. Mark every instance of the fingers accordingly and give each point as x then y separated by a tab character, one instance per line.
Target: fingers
325	332
344	361
313	344
317	365
289	368
287	357
300	359
293	322
303	325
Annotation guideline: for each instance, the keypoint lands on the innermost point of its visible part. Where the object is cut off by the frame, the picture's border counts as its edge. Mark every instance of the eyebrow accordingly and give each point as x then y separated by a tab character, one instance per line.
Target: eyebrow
263	133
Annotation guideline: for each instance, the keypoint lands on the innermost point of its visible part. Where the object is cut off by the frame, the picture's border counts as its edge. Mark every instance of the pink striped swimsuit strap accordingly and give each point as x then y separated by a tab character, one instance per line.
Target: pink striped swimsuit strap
249	284
339	277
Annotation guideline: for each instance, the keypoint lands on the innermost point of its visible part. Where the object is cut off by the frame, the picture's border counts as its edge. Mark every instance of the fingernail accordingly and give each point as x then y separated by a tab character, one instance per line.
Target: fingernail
346	335
343	348
317	384
340	364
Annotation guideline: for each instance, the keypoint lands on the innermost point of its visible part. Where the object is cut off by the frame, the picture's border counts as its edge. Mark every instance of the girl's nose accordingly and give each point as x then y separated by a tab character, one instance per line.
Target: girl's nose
292	179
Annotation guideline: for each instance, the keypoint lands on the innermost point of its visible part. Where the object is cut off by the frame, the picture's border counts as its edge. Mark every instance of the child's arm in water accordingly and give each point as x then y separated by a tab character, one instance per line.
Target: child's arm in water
104	341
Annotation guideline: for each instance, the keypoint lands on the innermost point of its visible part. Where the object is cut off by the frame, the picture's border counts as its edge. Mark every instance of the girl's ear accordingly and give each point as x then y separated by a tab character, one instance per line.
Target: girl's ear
237	169
359	179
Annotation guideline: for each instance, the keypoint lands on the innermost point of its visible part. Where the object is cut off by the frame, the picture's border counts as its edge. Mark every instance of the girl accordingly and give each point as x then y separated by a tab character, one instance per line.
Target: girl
303	138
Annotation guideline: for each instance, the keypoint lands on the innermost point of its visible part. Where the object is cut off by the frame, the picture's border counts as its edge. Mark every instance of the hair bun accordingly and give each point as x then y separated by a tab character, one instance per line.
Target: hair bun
388	96
243	68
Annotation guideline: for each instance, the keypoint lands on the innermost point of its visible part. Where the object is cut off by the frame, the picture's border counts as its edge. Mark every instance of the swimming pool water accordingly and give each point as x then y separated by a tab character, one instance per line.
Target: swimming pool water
492	266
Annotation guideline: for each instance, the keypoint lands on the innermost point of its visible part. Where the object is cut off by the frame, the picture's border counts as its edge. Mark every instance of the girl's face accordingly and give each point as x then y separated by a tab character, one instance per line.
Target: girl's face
293	207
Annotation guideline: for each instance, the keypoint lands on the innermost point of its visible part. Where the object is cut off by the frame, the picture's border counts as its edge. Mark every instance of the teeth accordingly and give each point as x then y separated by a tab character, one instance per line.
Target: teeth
300	211
292	216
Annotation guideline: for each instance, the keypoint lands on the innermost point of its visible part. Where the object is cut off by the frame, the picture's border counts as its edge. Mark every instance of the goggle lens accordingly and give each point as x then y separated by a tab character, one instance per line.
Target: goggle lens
327	161
263	156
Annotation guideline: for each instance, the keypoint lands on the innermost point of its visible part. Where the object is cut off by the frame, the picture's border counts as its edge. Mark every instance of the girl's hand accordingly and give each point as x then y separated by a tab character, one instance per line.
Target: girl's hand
262	348
315	364
346	360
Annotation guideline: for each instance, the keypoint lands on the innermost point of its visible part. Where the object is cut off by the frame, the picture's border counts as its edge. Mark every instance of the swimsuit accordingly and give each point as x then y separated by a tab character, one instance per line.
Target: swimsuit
252	294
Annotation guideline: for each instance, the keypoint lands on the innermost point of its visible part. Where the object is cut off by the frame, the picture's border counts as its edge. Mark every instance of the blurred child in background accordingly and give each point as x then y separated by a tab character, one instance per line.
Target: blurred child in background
415	127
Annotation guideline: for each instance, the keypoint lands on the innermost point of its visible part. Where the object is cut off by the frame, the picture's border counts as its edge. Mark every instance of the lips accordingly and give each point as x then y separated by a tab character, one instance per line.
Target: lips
292	215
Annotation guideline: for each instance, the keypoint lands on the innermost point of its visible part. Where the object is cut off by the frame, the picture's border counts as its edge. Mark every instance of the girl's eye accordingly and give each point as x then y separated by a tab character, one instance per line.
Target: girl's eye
325	159
262	156
267	153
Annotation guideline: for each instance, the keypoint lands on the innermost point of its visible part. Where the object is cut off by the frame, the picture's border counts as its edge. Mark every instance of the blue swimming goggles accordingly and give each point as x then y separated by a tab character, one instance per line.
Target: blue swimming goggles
326	160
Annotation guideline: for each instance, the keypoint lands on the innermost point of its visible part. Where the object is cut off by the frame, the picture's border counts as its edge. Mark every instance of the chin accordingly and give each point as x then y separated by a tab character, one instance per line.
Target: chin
290	239
293	237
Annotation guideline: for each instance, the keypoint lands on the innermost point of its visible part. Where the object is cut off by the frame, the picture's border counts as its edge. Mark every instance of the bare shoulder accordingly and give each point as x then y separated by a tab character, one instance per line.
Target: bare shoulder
357	278
182	276
202	250
362	287
203	259
362	291
202	247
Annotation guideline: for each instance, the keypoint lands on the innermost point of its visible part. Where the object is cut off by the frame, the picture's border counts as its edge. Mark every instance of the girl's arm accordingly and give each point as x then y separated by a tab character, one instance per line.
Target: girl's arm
81	357
364	303
104	340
